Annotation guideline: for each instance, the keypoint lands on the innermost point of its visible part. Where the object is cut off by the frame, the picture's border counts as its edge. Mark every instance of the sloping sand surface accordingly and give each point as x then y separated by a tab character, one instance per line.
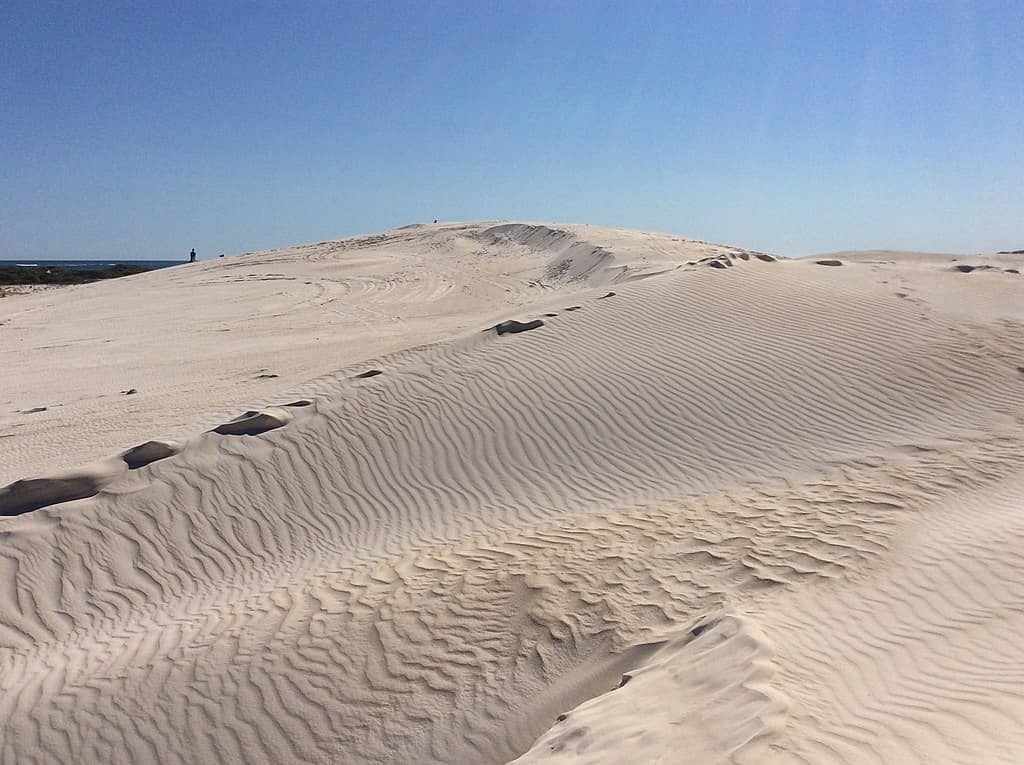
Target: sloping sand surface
200	338
691	504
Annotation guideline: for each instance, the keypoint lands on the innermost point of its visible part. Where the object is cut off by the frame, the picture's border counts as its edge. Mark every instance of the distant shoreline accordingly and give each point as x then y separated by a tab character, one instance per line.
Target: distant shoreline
72	272
92	263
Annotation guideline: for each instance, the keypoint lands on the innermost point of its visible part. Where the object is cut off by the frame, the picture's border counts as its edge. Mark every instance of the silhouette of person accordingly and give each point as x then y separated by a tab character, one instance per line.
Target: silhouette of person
192	256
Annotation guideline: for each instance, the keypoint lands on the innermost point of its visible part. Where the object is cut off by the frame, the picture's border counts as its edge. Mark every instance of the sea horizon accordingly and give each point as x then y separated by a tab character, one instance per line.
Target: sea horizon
87	263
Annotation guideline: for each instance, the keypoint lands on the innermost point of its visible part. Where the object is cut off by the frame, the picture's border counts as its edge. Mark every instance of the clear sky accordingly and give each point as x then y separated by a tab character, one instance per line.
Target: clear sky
139	130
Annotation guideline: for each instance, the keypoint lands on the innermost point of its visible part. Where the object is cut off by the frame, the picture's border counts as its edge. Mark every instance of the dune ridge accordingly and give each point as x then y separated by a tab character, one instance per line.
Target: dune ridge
761	511
196	341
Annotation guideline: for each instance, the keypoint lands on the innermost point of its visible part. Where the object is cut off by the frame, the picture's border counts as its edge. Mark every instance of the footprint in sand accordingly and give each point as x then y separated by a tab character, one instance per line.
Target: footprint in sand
251	423
148	453
34	493
512	326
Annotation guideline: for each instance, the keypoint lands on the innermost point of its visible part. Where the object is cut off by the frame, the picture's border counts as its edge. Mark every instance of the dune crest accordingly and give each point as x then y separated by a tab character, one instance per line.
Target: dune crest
735	509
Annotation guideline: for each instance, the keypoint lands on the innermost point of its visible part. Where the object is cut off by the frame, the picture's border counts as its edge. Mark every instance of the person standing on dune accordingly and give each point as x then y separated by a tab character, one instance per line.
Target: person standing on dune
192	256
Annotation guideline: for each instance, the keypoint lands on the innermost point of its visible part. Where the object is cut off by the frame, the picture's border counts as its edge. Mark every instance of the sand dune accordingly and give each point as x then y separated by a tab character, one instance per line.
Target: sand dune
203	338
538	493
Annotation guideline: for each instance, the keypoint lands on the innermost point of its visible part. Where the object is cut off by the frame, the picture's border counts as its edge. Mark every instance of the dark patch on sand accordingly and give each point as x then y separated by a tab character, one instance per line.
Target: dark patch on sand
28	495
249	424
513	327
147	453
966	269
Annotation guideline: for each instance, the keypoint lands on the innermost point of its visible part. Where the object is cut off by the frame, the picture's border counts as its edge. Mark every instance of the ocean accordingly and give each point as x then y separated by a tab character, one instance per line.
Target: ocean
28	263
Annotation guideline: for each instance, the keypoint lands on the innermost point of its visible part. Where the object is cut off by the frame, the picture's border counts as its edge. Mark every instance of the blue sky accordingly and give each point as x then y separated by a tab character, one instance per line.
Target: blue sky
140	130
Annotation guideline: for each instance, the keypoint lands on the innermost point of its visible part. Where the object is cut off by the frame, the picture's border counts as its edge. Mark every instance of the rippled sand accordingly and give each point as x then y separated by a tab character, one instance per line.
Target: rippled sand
692	504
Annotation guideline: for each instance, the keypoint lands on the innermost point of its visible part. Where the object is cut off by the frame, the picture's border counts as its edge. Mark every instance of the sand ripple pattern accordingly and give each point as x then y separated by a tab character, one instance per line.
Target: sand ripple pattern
795	479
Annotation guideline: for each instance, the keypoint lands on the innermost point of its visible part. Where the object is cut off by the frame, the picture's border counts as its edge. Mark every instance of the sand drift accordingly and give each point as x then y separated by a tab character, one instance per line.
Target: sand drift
480	493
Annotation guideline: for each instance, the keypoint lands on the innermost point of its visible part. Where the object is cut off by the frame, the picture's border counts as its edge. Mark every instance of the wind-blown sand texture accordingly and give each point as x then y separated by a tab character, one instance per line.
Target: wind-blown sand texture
531	493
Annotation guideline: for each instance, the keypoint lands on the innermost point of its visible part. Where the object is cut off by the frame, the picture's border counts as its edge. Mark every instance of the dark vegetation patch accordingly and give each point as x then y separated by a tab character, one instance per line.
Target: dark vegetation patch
59	275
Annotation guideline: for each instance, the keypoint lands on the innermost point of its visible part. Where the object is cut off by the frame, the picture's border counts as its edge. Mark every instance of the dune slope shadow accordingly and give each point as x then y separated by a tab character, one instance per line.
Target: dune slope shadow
250	424
512	326
147	453
33	493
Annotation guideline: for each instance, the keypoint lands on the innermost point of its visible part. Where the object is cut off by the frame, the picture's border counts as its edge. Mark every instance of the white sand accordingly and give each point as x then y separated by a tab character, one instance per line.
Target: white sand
780	503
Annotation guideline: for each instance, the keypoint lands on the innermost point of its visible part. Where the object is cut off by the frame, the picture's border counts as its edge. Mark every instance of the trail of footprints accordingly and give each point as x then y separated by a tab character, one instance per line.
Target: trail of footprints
258	677
366	661
27	495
